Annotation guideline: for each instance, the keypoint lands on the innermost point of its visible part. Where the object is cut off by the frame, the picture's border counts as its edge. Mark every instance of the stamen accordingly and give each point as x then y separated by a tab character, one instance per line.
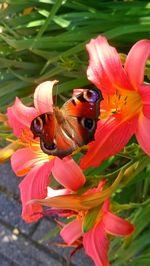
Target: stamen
126	103
17	141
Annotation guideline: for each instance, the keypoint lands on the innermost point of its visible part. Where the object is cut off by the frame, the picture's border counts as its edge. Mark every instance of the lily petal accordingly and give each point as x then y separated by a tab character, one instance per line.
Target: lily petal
20	116
96	245
144	91
33	186
143	133
111	136
117	226
24	159
43	97
57	192
68	173
105	69
135	61
72	231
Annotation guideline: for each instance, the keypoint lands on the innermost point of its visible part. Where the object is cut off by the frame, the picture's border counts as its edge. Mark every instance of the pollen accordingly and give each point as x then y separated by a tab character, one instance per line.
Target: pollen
124	102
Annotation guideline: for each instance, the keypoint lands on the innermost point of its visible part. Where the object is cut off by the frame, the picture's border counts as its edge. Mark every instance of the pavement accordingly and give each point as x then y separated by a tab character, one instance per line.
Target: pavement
24	244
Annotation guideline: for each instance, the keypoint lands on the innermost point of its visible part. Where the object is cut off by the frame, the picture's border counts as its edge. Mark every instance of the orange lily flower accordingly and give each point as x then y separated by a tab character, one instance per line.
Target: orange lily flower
32	161
125	109
95	241
82	230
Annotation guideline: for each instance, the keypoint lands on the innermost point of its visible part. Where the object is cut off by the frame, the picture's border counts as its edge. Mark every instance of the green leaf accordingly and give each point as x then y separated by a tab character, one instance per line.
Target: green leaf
144	259
90	219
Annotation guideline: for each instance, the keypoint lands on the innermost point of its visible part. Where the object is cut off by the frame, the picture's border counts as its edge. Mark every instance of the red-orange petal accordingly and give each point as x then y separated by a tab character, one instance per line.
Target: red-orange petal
34	186
96	245
71	231
105	69
143	133
20	116
68	173
111	136
23	159
144	91
135	62
117	226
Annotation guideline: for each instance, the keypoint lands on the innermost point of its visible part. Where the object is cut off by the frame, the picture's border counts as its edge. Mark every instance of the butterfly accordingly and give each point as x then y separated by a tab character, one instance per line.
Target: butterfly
67	128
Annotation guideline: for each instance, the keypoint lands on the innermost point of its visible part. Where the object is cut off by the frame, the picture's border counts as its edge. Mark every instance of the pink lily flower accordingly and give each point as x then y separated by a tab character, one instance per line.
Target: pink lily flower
125	109
92	235
95	241
32	161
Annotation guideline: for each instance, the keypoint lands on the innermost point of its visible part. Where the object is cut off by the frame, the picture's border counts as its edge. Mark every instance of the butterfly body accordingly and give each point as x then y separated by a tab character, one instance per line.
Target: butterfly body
73	125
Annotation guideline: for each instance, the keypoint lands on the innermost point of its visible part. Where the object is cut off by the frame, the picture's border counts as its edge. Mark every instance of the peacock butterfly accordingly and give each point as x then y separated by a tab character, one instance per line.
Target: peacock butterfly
69	127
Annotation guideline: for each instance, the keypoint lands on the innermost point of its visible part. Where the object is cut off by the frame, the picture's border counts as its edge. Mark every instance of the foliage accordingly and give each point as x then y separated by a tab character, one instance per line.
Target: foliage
45	40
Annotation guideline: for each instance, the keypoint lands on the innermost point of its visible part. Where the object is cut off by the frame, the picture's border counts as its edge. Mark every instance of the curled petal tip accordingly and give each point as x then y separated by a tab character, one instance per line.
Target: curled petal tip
43	96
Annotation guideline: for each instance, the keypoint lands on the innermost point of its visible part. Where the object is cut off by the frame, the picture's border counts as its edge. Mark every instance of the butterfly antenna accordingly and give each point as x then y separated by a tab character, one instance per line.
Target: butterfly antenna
55	95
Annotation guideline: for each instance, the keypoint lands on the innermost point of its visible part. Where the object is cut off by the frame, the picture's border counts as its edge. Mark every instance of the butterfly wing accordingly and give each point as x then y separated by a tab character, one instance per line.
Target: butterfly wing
82	116
44	126
72	126
85	104
53	138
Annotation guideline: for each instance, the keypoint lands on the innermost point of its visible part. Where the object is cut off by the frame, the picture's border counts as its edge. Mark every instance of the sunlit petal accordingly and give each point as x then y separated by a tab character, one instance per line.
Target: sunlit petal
117	226
96	245
143	133
43	97
20	116
144	91
23	160
33	186
105	69
68	173
57	192
72	231
111	136
136	60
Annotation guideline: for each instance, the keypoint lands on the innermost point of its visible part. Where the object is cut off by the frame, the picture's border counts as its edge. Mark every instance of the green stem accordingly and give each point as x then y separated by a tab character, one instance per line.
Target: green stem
120	207
92	200
135	169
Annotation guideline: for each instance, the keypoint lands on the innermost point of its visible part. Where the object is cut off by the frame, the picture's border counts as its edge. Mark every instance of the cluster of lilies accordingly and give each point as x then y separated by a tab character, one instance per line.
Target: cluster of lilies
124	111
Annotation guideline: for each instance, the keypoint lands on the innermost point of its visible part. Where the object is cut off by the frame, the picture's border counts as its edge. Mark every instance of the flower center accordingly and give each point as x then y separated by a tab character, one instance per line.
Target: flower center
123	102
27	140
